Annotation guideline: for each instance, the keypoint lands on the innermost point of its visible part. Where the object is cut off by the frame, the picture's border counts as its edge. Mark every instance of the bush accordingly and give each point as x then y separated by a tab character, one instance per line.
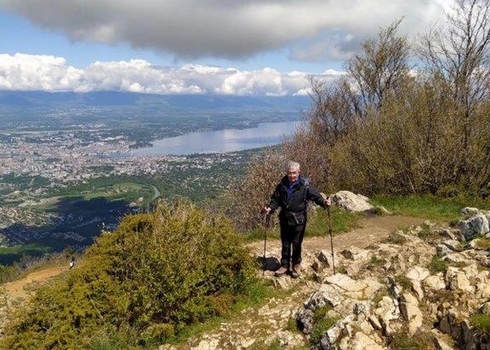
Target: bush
437	265
155	275
405	341
322	323
244	201
481	322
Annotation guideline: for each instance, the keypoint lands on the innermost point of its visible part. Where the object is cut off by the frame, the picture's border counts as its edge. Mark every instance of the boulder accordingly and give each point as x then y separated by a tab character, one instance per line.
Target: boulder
352	202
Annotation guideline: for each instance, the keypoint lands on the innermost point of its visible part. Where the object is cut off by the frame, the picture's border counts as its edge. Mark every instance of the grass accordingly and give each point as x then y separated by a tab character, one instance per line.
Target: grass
429	207
274	345
437	265
481	322
396	238
322	323
483	243
340	220
405	341
375	262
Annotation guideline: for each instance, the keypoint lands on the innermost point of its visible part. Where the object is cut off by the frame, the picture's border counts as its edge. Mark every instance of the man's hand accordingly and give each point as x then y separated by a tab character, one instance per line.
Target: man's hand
328	202
265	210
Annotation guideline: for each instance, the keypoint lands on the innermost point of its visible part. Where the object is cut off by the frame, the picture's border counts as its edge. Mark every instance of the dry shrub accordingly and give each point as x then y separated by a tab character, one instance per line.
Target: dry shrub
245	200
312	154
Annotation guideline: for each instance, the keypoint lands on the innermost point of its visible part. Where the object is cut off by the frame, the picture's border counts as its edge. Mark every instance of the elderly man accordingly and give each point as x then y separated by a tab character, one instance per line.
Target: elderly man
292	195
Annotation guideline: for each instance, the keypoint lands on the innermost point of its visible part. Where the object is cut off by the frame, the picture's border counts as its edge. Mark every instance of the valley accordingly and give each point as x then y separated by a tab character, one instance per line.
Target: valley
67	170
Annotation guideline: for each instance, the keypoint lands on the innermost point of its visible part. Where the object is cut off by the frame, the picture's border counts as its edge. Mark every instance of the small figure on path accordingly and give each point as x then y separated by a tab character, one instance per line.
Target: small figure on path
72	262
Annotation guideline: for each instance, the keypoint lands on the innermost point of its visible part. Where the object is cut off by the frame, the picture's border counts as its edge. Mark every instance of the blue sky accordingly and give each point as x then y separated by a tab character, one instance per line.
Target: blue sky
188	46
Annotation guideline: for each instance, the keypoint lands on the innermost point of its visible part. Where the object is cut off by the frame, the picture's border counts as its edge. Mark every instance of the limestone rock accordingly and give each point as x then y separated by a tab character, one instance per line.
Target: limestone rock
352	202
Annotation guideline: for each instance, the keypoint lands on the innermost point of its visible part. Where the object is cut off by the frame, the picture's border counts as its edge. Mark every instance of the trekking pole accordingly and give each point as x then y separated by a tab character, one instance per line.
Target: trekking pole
331	237
266	228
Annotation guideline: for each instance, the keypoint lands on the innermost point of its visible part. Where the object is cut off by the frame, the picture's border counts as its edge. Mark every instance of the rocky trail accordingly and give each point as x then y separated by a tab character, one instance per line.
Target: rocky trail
258	327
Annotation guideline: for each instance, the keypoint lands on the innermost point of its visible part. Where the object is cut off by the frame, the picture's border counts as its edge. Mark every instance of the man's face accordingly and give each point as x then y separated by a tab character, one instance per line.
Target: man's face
293	174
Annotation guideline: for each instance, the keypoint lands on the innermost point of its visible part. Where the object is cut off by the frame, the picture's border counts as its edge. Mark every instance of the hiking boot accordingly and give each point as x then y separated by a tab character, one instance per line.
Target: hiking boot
281	271
295	272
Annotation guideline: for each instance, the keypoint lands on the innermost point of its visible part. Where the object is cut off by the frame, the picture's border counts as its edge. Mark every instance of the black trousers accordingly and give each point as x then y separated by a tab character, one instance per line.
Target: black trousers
291	241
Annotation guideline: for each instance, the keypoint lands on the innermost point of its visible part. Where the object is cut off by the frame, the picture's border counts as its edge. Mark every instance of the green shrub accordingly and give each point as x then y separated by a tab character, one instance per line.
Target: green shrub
321	323
437	265
396	238
483	243
155	275
403	340
403	281
6	273
448	191
320	328
375	262
107	342
481	322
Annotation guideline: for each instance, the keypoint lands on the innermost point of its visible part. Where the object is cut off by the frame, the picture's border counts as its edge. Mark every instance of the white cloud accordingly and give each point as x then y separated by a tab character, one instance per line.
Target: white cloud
230	29
26	72
49	73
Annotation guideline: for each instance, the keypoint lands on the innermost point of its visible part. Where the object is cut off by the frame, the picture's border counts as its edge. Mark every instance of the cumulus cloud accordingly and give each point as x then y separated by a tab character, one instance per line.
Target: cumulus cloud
49	73
229	28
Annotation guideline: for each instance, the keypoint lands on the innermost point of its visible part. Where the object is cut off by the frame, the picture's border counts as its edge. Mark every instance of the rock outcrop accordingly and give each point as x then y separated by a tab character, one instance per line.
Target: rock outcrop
420	288
352	202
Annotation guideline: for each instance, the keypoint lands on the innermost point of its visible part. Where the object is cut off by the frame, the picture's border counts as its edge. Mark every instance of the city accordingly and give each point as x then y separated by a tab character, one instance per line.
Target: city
64	177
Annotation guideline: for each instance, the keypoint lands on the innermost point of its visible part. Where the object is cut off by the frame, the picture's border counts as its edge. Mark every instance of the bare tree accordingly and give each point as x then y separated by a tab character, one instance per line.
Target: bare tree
378	73
460	57
333	109
245	200
380	69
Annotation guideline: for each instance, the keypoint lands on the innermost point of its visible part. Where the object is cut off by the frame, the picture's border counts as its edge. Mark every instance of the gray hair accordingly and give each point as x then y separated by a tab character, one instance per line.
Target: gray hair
292	165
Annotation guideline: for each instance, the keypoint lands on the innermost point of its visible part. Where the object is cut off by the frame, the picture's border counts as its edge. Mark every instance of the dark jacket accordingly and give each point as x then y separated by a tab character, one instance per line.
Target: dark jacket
297	202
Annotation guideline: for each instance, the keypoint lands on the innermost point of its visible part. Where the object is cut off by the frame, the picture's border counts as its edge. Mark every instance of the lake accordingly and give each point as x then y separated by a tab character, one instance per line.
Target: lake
221	141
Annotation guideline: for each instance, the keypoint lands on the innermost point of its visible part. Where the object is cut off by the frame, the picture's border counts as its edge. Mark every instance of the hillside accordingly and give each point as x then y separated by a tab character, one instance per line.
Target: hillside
400	283
371	230
272	321
275	314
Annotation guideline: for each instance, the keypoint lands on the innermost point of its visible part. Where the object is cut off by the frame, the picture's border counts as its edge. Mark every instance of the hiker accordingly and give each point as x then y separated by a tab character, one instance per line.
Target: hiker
72	262
292	195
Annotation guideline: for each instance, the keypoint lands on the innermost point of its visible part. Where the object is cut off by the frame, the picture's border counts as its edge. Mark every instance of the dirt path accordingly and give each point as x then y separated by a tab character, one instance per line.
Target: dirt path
371	230
19	289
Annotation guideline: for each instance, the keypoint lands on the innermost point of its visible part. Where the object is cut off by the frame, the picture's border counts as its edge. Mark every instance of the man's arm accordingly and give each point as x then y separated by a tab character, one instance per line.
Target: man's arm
318	198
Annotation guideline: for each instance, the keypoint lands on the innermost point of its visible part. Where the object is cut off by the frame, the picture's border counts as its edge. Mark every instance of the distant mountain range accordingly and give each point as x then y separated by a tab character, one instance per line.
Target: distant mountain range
33	99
